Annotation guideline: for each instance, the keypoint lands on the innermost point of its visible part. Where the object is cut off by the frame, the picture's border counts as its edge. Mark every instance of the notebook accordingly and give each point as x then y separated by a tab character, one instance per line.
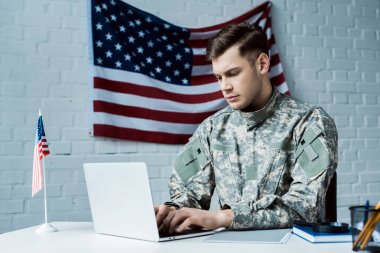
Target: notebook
271	236
307	233
121	202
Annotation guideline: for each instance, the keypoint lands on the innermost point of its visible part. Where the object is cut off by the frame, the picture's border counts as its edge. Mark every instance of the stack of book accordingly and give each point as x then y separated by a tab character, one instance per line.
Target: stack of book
307	233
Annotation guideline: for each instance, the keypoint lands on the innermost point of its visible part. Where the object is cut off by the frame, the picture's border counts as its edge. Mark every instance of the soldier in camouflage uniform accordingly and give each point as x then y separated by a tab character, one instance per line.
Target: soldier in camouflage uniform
269	157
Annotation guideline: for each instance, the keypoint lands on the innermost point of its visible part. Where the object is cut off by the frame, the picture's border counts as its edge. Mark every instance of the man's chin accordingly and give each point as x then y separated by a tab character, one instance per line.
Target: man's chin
235	106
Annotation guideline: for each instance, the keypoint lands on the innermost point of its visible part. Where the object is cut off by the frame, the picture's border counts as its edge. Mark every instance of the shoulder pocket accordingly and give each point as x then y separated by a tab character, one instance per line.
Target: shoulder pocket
191	160
312	154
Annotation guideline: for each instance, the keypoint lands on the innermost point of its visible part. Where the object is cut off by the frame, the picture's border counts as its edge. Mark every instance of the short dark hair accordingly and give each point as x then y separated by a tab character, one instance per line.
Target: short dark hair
251	39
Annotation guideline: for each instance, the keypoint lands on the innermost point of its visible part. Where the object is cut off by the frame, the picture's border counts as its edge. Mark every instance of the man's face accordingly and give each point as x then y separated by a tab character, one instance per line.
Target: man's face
240	82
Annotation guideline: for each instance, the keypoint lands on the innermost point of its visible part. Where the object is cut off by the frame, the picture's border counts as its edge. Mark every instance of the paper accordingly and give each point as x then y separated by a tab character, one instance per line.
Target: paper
271	236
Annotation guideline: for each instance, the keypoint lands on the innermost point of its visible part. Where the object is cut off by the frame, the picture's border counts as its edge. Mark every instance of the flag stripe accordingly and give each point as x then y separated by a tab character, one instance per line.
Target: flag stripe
199	60
197	39
138	135
280	79
202	43
152	92
202	70
143	124
157	104
37	173
202	79
283	88
274	60
241	18
143	113
274	71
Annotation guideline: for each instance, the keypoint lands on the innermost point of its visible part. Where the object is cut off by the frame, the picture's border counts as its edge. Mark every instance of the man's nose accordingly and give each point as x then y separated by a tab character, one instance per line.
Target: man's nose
225	84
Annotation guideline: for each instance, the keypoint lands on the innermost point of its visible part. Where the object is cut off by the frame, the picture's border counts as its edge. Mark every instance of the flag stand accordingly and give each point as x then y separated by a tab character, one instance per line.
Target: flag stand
46	227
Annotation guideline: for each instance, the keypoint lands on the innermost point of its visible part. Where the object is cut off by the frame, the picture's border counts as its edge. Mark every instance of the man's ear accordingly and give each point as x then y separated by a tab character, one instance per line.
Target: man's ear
264	63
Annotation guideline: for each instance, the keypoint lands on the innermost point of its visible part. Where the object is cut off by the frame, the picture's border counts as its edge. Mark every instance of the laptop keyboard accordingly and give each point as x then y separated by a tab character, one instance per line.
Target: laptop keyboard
186	232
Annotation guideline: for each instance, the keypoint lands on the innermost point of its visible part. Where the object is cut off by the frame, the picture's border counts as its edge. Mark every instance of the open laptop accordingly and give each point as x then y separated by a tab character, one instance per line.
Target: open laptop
121	202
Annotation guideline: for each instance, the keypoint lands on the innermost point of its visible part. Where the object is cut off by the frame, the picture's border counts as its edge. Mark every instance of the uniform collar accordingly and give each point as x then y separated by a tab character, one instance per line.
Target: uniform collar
252	119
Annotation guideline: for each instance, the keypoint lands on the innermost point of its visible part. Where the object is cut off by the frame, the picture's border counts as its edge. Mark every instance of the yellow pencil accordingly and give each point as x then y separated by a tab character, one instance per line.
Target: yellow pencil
370	231
366	232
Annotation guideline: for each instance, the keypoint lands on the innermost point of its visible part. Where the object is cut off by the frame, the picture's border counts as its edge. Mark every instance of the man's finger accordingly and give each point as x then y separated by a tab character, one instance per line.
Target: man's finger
166	221
161	214
184	225
178	218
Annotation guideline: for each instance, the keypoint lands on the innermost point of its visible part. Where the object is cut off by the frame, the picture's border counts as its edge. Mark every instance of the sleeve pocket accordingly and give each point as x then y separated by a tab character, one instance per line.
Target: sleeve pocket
191	160
312	154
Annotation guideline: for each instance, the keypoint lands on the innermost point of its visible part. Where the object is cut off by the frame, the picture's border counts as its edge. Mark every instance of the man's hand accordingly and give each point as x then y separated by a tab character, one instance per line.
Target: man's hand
162	211
179	220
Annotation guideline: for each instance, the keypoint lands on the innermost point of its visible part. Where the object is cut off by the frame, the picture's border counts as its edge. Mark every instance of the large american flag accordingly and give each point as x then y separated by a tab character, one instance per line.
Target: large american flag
41	150
150	79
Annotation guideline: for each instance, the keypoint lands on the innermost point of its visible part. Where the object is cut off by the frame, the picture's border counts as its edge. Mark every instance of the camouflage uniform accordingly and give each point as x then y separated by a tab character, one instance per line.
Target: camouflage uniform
270	166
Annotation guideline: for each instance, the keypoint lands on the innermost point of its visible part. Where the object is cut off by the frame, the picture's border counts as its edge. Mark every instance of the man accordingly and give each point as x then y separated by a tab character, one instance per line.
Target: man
269	157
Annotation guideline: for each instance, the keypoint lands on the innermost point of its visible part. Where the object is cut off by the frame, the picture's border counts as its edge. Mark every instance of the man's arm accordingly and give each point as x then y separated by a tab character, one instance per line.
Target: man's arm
315	161
192	181
191	186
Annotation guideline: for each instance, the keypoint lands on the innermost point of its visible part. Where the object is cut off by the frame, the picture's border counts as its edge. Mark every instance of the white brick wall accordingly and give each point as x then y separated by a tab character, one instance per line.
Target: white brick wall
330	52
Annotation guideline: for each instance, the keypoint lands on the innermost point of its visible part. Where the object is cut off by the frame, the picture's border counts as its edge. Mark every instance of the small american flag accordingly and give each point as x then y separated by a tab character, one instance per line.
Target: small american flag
150	78
41	150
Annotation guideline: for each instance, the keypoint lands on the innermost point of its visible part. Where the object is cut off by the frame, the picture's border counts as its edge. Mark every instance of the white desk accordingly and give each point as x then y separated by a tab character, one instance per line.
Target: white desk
80	237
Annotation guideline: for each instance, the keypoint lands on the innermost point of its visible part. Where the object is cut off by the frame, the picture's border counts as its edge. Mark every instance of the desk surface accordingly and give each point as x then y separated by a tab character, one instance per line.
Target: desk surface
80	237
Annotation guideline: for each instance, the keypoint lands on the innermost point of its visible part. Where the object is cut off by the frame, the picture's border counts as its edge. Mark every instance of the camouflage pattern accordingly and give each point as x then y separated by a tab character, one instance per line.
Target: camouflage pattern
269	166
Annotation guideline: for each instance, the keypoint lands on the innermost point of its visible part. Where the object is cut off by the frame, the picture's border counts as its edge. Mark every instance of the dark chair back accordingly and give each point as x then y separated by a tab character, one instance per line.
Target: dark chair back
331	200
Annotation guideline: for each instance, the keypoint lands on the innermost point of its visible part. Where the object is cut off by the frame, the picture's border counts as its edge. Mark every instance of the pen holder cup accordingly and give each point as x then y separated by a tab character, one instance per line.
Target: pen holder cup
365	217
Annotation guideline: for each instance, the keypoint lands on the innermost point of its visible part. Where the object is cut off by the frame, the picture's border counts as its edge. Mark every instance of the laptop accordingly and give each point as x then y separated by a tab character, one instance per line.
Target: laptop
121	202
